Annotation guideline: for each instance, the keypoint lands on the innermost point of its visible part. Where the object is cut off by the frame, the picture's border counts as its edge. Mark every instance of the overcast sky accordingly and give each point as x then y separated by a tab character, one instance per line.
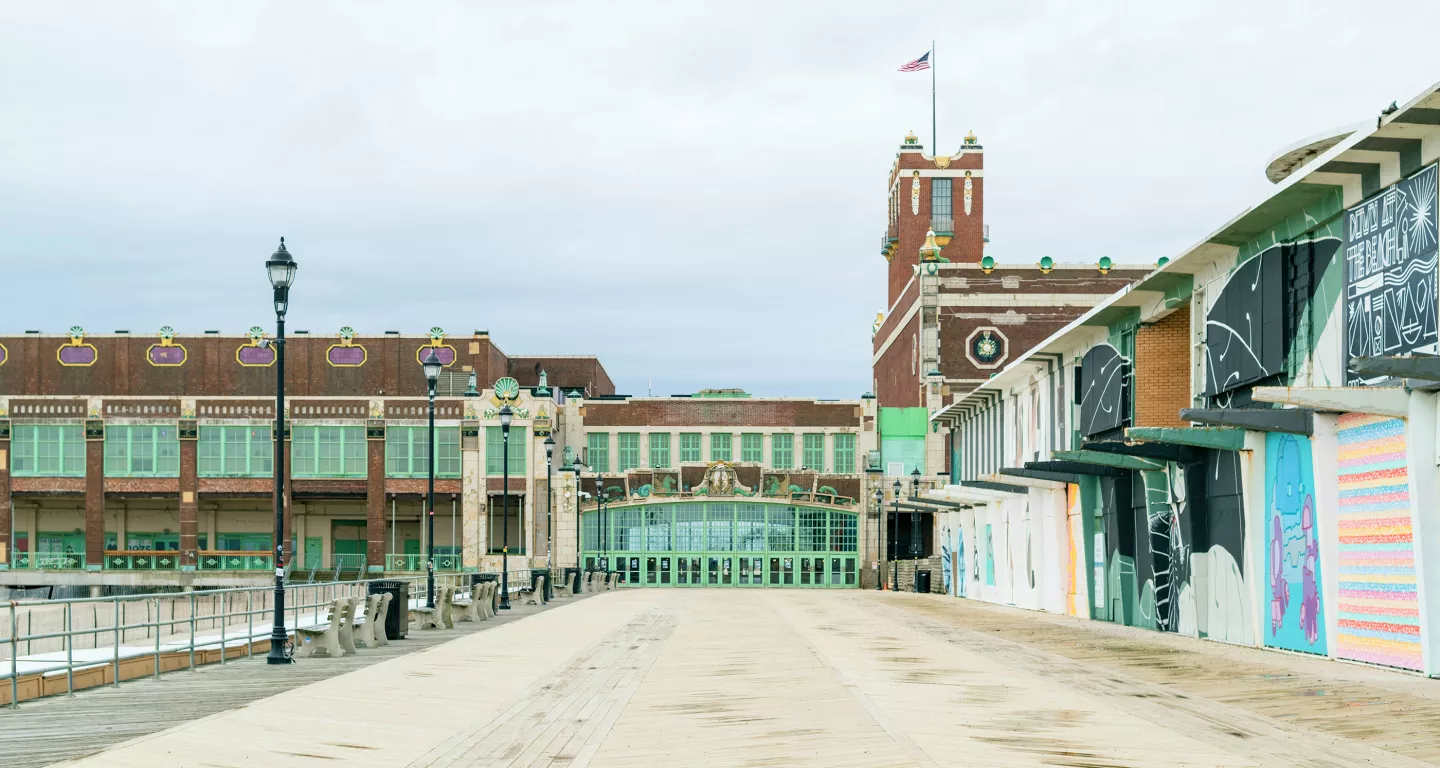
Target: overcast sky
694	192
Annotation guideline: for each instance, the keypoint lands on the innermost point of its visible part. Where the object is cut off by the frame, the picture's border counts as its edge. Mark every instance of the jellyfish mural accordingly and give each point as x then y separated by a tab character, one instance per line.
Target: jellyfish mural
1293	547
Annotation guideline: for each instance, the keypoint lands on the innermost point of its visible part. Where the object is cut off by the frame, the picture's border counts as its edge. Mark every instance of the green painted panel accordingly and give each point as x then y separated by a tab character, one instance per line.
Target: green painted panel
904	422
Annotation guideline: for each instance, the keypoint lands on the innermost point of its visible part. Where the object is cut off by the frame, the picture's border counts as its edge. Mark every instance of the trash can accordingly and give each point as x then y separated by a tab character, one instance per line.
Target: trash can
397	620
573	577
922	581
535	574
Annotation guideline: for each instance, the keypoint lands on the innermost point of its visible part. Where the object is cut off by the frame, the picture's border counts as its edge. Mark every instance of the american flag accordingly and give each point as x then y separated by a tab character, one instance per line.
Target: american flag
915	66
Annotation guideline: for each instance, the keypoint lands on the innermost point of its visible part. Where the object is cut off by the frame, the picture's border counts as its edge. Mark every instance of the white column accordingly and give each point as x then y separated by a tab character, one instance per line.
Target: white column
472	494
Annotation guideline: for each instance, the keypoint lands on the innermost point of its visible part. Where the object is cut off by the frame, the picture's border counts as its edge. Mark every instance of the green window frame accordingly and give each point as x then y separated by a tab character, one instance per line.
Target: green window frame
235	451
628	453
47	450
689	447
495	453
659	450
135	450
328	452
407	451
814	451
941	201
844	454
597	451
722	446
752	447
782	450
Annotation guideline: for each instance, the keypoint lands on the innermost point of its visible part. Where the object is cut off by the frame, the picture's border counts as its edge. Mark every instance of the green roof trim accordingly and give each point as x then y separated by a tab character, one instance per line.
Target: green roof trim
1218	438
1118	461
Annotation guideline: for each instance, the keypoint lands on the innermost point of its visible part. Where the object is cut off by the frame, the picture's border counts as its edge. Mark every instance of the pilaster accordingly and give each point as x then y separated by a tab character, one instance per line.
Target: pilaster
94	491
189	488
375	497
472	486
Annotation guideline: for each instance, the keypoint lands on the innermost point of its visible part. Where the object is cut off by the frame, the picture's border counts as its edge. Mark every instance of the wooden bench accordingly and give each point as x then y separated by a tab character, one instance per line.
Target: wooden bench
326	637
537	595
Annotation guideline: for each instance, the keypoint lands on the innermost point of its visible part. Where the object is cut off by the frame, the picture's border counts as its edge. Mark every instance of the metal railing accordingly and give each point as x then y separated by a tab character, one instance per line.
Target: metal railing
942	225
228	560
104	640
50	561
415	562
136	560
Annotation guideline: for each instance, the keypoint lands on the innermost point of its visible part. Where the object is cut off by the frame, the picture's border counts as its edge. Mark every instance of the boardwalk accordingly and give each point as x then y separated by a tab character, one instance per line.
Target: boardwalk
829	678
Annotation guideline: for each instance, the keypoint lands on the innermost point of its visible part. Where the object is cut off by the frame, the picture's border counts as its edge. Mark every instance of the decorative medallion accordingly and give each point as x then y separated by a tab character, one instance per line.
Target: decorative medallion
257	353
377	409
77	354
444	351
720	480
472	410
987	348
4	407
187	408
541	424
915	193
969	192
506	392
166	354
942	161
346	354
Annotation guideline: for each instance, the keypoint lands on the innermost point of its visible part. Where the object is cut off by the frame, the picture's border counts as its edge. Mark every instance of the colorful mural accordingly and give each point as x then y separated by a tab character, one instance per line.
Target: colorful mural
947	566
989	555
1076	603
1379	605
1292	547
959	550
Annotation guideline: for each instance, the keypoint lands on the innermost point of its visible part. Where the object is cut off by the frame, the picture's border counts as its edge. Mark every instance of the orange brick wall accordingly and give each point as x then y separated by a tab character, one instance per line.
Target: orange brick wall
1162	371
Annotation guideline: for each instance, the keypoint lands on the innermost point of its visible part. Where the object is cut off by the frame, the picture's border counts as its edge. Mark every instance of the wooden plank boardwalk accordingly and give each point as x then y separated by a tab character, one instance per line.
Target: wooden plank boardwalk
782	678
45	731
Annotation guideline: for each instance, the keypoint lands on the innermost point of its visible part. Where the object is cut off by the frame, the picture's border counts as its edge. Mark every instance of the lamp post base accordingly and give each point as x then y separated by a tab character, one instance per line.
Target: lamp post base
277	650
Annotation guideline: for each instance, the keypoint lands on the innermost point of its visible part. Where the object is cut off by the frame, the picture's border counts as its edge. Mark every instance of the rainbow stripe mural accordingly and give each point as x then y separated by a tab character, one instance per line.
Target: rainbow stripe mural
1379	606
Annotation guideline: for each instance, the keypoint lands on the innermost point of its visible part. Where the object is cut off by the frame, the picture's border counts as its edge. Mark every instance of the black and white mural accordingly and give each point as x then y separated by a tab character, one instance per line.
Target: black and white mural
1262	314
1104	378
1390	273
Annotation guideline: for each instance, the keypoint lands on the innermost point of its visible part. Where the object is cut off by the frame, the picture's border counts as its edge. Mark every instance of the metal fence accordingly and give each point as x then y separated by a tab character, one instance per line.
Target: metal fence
109	639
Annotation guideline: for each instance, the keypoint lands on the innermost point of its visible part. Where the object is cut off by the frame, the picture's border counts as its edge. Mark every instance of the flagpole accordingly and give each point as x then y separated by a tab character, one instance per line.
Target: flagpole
934	140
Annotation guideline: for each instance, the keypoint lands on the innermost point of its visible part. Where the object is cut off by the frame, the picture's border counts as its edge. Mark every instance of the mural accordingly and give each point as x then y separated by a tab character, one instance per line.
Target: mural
1223	608
1103	374
947	567
989	555
1256	319
1379	605
959	550
1390	272
1167	602
1076	603
1292	547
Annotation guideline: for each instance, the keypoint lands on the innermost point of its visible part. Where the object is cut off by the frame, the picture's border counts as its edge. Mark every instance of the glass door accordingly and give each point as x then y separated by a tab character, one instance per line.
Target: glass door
651	571
665	571
712	577
751	572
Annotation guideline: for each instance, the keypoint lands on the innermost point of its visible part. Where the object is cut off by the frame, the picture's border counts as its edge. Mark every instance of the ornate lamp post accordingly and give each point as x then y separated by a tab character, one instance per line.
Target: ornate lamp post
549	498
894	534
281	268
915	536
505	416
879	534
600	513
432	374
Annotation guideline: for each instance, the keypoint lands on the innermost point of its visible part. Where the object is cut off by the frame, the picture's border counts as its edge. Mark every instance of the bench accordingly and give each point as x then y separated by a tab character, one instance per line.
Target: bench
370	627
333	637
613	581
492	597
382	635
470	604
430	618
595	581
537	595
563	588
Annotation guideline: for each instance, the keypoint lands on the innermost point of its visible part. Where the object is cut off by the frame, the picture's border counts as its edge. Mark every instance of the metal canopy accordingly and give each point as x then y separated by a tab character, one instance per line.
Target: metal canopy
1035	474
1072	468
1145	450
1216	438
1295	421
936	502
982	485
1109	460
1425	367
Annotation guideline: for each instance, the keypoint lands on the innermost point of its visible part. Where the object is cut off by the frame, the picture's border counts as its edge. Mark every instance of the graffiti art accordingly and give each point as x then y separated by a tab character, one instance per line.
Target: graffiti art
1292	552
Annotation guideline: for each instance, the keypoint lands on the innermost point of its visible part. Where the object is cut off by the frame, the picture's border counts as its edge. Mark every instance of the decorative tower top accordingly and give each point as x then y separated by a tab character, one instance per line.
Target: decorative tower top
911	139
970	139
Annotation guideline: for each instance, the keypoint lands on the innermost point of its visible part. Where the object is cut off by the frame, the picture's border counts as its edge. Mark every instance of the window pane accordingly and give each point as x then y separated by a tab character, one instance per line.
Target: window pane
750	528
397	451
844	454
353	440
235	454
47	450
209	451
689	447
689	528
117	451
718	519
657	528
752	448
493	446
419	451
598	451
261	451
447	457
782	450
812	530
302	450
142	450
22	449
659	450
781	534
629	445
167	451
74	450
842	532
721	444
330	462
814	457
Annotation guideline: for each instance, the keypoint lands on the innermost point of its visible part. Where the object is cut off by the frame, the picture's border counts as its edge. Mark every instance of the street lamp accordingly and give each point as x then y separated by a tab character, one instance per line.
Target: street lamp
894	534
549	497
915	538
281	268
600	513
432	367
505	416
879	534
